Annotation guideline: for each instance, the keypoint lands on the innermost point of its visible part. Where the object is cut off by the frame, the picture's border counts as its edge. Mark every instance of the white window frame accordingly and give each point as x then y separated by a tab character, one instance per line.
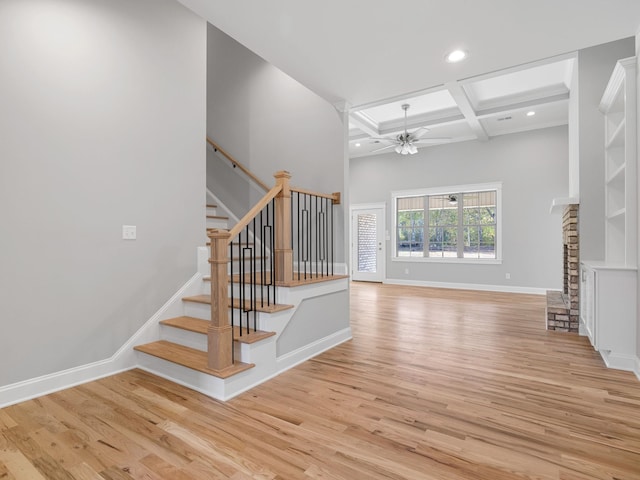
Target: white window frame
454	189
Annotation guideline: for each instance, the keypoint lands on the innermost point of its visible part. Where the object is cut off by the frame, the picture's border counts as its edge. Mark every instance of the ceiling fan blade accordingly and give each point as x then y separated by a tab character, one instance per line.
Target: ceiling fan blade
383	148
419	133
433	140
383	139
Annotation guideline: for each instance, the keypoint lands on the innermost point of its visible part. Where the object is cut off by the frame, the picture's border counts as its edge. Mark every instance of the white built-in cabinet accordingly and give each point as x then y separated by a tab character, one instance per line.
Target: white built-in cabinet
608	311
608	289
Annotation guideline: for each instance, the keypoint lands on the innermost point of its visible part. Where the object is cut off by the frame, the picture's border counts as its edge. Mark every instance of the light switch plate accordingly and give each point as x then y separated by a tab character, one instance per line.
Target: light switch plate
128	232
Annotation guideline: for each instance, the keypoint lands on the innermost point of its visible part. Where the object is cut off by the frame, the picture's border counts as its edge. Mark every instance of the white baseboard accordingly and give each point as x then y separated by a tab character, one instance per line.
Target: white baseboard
620	361
636	367
291	359
124	359
469	286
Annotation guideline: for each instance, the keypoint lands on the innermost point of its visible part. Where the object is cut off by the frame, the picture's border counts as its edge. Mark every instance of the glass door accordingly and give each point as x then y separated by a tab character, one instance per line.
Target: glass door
368	244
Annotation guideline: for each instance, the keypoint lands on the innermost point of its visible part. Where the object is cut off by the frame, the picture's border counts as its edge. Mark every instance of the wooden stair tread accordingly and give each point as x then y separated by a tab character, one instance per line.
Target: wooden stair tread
190	358
294	283
210	205
236	304
218	217
198	325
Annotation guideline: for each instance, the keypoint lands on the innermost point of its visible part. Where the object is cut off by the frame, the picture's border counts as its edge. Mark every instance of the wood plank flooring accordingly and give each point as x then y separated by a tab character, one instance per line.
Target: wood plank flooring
436	384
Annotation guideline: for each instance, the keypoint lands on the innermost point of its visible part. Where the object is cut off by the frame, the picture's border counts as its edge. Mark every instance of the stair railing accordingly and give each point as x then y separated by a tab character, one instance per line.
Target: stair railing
237	164
286	238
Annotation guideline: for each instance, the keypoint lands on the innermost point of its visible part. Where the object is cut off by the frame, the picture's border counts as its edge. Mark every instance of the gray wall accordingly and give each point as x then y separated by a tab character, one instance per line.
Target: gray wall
270	122
102	124
533	168
595	65
307	327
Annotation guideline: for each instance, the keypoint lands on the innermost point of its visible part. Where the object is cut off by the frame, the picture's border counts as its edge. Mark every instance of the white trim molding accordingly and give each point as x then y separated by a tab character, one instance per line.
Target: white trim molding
470	286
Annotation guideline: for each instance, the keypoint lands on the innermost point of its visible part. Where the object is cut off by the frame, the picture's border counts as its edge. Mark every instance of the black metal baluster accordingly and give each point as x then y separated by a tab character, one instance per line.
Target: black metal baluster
291	239
331	211
273	243
262	258
316	229
253	280
299	253
233	355
241	285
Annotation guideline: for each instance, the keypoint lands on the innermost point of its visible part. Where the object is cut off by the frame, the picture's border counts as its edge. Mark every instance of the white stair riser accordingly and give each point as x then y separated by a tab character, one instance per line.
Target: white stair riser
212	211
242	351
184	337
203	311
236	287
217	223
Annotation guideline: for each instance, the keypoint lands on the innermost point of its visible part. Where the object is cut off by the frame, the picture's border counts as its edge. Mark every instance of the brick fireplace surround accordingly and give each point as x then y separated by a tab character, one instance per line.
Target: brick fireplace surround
563	308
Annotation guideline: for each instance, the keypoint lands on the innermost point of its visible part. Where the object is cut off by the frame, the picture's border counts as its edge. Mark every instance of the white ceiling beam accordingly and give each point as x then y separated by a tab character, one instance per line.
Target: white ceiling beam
488	112
518	68
365	124
536	95
358	136
467	110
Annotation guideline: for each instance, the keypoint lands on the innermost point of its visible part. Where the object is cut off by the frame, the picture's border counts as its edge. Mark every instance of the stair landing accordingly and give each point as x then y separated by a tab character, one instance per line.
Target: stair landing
190	358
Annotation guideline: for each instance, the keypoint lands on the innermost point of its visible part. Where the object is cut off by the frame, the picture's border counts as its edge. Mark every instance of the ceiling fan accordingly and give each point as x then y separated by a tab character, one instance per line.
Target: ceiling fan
405	143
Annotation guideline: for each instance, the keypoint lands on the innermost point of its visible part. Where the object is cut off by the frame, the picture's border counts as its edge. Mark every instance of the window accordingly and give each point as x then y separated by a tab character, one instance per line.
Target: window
449	224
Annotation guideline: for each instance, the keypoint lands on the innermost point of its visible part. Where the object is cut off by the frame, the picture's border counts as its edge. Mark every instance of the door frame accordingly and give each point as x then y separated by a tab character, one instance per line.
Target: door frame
369	206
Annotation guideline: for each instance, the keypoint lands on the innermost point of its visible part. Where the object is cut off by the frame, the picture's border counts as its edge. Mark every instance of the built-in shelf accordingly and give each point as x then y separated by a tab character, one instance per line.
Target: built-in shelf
616	137
617	214
616	175
618	105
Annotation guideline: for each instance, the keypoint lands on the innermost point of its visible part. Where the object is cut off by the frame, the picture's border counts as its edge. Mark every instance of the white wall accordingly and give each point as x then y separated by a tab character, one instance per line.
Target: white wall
595	65
533	167
102	124
270	122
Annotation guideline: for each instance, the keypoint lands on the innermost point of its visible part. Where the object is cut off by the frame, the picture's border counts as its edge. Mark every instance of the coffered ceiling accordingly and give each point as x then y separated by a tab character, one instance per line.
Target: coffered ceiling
515	100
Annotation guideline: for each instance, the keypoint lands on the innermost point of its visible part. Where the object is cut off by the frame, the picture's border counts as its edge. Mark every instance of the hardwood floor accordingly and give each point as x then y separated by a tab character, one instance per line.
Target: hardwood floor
436	384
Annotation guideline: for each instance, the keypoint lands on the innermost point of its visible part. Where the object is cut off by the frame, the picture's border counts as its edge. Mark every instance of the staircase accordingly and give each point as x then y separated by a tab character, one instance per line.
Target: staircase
191	348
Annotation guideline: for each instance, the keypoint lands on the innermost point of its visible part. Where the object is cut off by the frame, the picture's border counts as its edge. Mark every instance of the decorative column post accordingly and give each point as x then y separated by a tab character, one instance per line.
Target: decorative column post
283	250
219	332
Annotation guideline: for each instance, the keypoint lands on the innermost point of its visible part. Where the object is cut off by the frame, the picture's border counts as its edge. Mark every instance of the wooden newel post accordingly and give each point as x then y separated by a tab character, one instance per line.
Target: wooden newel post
219	332
283	250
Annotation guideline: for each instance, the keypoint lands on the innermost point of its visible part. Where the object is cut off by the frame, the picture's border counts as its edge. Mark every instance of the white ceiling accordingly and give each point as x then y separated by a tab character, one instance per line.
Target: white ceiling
365	54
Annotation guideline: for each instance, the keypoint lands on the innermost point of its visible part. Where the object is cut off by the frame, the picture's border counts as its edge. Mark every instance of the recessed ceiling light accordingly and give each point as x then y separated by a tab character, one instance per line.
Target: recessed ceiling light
357	144
531	113
456	56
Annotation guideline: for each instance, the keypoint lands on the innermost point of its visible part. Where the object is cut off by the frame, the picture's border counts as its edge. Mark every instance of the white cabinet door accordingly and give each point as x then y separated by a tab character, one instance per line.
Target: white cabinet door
588	303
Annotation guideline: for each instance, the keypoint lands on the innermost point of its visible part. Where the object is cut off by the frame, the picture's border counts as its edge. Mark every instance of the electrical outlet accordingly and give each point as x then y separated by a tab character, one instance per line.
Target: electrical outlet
128	232
507	276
